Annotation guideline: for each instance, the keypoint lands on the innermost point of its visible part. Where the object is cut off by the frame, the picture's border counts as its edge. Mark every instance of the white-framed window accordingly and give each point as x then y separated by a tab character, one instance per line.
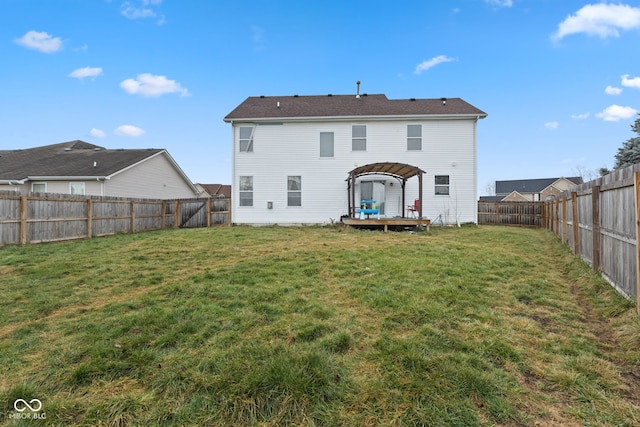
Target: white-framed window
414	137
246	191
442	185
76	188
246	138
359	137
326	144
294	190
38	187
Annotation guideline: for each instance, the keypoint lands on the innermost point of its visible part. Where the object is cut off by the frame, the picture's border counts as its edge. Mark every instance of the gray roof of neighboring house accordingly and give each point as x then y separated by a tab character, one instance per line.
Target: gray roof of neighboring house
68	159
221	190
491	198
296	107
529	185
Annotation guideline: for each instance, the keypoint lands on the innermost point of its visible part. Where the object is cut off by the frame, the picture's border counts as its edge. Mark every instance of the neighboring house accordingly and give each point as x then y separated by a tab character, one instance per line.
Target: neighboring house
77	167
221	191
292	157
532	190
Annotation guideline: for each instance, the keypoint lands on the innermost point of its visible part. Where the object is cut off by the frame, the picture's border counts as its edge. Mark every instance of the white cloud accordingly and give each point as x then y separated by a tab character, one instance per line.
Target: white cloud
581	116
130	11
128	130
147	84
615	113
552	125
602	19
97	133
631	82
142	11
500	3
40	41
425	65
81	73
611	90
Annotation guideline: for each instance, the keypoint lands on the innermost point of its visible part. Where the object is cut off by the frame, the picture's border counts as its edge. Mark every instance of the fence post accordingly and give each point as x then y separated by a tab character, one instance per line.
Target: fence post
595	228
636	188
133	217
576	223
497	213
565	236
23	219
163	206
89	218
176	222
209	212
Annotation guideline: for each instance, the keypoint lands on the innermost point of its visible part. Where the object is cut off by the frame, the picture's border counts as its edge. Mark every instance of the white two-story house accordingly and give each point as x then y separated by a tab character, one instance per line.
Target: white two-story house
292	157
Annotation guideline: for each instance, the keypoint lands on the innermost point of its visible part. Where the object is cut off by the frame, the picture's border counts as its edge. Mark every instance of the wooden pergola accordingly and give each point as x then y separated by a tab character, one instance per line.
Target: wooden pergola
401	171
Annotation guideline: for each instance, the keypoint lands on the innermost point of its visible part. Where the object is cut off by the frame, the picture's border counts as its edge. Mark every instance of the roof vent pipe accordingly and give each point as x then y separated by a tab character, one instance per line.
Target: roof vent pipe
358	89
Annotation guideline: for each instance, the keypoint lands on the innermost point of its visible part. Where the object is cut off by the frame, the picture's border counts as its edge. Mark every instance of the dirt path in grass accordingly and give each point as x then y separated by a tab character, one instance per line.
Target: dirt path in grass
603	330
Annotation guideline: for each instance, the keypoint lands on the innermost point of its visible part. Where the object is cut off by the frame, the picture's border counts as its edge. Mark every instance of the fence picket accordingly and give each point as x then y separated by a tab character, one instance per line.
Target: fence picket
35	218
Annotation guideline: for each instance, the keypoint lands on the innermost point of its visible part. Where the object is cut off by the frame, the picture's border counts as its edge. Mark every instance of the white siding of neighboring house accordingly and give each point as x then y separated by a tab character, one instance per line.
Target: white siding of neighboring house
448	148
153	178
91	187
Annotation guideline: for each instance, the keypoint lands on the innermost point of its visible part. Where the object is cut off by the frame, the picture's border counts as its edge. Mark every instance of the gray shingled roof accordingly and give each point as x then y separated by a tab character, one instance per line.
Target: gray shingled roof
529	185
223	190
296	107
68	159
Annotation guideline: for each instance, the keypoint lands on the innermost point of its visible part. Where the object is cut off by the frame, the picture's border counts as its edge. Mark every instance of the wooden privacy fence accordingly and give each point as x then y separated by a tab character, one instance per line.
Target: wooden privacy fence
599	221
512	213
39	217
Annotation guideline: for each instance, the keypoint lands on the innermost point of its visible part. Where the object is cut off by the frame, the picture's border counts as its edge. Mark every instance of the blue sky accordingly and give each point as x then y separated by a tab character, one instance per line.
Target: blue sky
560	80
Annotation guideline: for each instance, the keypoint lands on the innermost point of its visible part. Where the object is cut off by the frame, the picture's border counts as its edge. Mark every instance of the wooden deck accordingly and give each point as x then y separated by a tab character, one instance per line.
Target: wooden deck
386	223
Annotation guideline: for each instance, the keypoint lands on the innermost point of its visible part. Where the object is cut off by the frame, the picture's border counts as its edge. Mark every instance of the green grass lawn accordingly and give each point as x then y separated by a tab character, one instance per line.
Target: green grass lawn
315	327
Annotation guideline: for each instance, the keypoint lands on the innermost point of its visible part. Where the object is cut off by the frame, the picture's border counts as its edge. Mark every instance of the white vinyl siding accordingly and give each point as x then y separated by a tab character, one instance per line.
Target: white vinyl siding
154	178
294	147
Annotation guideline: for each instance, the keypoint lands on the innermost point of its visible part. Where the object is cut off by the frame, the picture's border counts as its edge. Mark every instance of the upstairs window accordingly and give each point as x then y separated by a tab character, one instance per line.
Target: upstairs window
414	137
246	139
294	191
442	185
359	138
246	191
326	144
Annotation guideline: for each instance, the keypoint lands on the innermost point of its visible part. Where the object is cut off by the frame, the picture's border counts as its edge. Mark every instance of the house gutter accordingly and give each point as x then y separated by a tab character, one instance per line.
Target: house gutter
12	181
67	178
474	116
